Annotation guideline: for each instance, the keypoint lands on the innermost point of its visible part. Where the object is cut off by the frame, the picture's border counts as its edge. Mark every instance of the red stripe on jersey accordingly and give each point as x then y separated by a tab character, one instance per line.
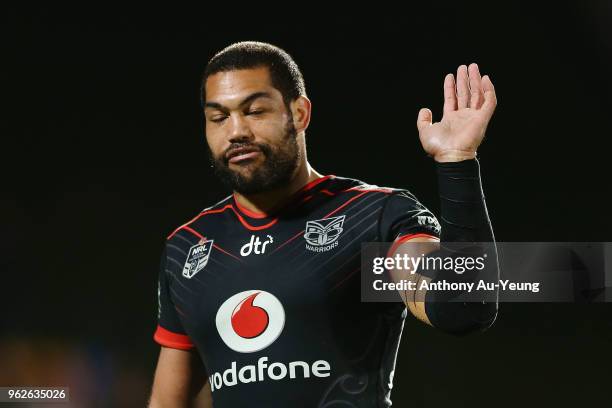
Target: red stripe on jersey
316	181
288	241
226	253
203	213
345	279
345	204
385	190
174	340
240	218
220	210
195	218
179	311
248	212
400	240
194	232
252	227
329	193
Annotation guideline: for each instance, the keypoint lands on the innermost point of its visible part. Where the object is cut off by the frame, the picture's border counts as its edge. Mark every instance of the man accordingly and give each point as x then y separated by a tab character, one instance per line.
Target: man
259	299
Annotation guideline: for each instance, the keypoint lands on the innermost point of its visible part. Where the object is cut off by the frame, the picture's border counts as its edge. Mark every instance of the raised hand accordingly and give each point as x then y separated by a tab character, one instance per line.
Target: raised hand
468	106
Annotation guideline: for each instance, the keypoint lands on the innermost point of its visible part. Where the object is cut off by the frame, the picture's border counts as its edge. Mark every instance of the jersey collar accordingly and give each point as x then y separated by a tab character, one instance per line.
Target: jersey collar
299	194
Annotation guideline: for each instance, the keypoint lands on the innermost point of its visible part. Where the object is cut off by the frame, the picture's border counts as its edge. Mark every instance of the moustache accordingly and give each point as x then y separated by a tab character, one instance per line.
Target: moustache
239	148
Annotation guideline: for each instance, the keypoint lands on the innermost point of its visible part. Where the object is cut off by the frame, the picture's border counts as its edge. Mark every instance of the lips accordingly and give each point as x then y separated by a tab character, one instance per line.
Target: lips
242	153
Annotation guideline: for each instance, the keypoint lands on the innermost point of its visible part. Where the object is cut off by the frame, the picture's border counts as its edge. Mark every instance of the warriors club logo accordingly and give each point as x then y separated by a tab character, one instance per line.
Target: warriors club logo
250	321
322	235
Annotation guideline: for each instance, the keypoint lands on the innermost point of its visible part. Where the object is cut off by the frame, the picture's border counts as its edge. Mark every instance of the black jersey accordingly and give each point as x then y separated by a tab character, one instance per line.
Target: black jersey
272	302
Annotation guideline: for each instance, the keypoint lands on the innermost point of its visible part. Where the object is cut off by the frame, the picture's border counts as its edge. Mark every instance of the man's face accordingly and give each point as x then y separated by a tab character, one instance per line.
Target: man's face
250	133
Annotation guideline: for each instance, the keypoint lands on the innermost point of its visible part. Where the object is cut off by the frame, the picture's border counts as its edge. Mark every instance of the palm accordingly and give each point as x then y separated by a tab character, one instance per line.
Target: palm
467	111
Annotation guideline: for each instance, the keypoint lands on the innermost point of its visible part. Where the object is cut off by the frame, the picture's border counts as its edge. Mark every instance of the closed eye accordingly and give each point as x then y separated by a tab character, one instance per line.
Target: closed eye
218	119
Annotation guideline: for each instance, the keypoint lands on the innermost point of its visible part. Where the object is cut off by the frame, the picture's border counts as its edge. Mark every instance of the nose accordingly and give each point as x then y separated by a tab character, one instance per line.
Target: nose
239	129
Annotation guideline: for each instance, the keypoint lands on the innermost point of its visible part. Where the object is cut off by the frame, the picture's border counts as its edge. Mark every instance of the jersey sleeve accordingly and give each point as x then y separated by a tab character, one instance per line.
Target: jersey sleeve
404	217
170	331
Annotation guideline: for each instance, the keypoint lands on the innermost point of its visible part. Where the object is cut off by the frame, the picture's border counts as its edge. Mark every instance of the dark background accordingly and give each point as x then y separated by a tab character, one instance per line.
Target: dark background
103	155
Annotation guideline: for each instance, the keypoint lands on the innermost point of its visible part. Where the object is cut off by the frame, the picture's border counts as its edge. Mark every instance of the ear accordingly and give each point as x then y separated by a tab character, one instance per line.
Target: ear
301	109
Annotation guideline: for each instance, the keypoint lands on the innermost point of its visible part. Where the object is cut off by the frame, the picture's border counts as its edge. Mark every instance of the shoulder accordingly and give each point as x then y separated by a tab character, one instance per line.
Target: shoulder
215	208
340	184
392	200
384	198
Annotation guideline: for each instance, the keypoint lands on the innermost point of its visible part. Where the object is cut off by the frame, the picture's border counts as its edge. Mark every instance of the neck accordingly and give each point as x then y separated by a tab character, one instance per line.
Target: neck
268	201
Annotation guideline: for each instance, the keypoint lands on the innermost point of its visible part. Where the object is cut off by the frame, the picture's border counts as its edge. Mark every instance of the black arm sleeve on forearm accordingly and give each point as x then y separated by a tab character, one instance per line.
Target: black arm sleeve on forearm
463	211
464	218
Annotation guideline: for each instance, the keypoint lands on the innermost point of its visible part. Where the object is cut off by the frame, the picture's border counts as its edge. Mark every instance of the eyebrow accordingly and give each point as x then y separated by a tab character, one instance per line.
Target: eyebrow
245	101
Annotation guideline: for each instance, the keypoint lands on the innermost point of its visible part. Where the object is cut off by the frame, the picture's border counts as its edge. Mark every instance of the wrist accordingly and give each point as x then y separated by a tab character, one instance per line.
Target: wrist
458	170
449	156
459	181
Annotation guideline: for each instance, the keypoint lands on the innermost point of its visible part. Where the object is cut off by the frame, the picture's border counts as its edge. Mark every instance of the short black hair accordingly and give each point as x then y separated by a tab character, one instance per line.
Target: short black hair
284	72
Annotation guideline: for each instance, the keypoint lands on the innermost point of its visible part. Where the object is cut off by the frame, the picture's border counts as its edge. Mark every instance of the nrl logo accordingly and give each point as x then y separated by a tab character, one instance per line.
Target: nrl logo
322	235
197	258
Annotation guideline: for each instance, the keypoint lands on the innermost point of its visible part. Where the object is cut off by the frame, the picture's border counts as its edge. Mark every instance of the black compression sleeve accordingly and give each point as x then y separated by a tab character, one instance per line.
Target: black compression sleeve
463	211
464	218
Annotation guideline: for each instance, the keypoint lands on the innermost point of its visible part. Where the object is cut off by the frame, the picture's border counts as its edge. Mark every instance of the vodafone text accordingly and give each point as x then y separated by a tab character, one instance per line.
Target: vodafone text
262	371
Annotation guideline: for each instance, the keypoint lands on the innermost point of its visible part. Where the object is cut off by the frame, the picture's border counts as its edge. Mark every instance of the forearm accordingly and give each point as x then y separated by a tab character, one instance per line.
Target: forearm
463	218
180	381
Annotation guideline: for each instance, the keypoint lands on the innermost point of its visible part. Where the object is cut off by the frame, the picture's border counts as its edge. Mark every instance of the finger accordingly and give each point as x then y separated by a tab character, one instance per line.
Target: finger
490	98
476	94
450	97
463	90
424	119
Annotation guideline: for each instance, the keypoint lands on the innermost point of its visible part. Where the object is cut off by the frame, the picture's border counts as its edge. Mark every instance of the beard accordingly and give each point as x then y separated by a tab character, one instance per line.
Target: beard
279	164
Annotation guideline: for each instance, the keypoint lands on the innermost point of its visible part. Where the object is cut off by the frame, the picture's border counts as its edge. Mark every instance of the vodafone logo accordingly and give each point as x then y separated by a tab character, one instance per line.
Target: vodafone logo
250	321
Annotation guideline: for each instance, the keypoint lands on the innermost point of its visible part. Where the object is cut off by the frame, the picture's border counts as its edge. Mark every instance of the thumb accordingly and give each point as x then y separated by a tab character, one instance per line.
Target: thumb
424	118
